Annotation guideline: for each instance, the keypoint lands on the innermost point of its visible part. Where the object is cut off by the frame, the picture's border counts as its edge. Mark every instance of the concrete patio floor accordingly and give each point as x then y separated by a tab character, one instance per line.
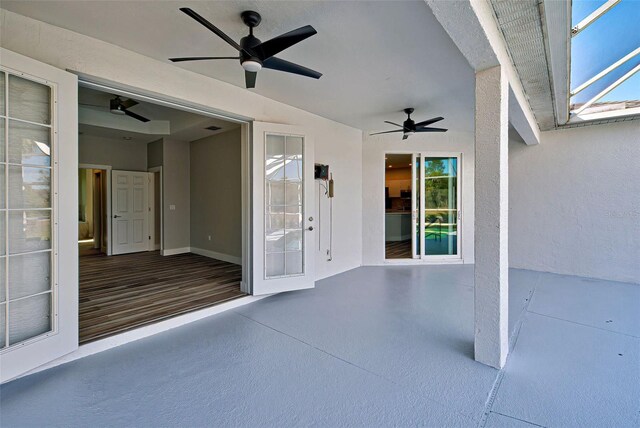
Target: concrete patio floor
375	346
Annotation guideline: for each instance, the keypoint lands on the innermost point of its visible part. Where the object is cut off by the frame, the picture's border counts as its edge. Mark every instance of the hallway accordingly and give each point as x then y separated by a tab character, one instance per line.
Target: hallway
375	346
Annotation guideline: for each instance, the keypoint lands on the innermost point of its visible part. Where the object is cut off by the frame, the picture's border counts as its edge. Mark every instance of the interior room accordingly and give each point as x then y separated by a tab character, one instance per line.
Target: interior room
159	205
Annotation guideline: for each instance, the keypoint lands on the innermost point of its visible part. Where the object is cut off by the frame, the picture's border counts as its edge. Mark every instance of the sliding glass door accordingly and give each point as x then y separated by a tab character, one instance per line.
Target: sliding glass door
436	211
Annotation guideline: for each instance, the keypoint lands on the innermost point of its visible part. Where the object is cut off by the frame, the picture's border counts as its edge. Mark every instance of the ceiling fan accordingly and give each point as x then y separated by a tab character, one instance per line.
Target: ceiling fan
121	107
254	54
409	127
118	106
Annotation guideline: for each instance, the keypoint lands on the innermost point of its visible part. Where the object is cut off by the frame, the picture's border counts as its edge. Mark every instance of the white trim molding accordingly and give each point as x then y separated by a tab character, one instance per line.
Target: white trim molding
218	256
173	251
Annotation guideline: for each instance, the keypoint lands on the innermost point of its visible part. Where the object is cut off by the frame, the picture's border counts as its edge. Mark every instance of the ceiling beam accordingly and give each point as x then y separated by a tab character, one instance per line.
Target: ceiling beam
473	28
556	20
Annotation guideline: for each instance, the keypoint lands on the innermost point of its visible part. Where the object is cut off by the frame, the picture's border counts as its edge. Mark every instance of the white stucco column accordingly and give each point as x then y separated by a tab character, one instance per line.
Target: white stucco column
491	217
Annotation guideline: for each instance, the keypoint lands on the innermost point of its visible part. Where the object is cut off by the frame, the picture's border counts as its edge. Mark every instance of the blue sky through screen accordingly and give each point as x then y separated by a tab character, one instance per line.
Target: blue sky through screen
611	37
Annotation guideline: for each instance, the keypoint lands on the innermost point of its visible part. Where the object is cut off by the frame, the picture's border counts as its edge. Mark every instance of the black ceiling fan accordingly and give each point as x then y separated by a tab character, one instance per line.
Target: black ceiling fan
254	54
121	107
409	127
118	106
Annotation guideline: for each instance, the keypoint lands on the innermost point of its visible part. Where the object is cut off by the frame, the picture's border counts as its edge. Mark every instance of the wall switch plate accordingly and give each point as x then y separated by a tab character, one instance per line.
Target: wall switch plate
172	207
209	237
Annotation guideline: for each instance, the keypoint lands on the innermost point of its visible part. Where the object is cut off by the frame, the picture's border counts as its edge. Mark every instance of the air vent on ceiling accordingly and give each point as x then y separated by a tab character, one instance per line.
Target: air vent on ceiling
213	128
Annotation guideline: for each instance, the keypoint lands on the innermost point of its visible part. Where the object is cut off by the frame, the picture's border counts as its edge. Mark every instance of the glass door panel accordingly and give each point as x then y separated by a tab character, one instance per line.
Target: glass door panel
284	201
440	206
25	210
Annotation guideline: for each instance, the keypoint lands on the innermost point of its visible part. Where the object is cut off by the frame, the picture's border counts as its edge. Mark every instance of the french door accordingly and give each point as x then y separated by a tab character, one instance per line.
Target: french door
435	202
283	209
38	214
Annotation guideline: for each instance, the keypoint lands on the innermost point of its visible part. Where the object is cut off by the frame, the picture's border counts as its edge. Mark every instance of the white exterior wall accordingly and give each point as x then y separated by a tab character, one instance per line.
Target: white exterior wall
575	202
373	179
336	144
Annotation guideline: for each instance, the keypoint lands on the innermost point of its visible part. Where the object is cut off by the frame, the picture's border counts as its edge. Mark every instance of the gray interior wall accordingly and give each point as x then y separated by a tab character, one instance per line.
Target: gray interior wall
175	181
154	154
216	205
124	155
575	202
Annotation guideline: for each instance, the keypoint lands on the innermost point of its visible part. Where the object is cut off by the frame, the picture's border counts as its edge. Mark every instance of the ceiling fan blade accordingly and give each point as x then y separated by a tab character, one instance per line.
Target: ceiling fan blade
388	132
201	58
431	130
250	79
136	116
211	27
128	103
392	123
278	44
430	121
289	67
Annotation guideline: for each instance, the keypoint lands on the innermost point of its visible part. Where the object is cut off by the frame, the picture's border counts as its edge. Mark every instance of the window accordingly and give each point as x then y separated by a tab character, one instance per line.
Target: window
26	292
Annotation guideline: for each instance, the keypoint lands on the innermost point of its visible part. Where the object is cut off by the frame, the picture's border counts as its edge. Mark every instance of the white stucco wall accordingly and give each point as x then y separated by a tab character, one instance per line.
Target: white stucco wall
373	179
575	202
336	144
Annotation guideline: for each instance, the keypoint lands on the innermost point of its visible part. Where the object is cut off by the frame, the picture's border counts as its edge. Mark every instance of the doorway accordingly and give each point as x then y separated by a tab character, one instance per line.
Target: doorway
160	209
422	206
93	220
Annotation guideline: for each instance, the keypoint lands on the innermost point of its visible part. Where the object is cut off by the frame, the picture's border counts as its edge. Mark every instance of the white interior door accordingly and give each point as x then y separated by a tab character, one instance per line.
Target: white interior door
283	209
130	211
38	214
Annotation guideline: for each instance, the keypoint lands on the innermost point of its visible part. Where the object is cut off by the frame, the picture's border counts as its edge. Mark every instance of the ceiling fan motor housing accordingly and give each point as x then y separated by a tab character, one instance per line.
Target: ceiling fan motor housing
249	62
115	106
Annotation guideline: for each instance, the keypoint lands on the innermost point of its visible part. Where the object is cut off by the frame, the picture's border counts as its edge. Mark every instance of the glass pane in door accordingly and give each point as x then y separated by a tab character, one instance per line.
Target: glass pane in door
399	209
284	206
440	206
25	211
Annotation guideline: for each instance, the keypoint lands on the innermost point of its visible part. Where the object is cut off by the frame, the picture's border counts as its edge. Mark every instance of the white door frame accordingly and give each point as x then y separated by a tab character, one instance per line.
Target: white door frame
153	213
107	197
438	259
112	87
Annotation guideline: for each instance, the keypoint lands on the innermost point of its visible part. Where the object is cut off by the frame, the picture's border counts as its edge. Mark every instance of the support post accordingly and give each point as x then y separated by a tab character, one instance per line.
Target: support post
491	275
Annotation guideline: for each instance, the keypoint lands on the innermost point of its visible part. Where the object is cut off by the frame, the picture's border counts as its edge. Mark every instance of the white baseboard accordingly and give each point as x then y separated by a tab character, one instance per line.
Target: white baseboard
172	251
216	255
146	331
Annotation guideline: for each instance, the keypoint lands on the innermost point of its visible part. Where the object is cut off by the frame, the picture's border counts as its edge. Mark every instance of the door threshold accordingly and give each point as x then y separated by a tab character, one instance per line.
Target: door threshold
145	331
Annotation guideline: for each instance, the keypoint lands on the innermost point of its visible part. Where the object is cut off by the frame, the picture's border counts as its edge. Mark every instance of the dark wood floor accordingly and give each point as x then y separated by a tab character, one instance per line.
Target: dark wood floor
398	249
118	293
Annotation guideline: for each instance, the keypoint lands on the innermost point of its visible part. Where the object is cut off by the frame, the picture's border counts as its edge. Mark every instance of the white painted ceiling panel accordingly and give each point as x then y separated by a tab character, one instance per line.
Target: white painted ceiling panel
377	57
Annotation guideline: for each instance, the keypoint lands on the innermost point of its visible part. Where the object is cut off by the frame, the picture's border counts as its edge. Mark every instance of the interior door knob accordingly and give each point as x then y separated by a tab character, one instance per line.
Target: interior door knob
117	216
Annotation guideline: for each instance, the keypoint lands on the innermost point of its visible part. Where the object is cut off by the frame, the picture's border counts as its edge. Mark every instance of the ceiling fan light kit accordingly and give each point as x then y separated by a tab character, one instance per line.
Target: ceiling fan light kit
255	55
409	127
